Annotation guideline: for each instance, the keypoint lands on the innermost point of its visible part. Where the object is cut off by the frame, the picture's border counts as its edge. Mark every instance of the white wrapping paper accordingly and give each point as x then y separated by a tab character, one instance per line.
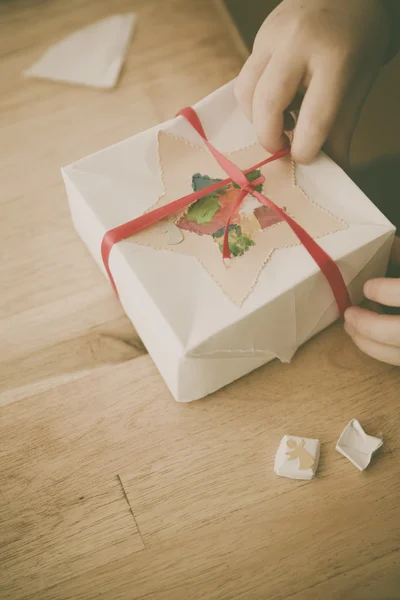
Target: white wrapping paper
199	339
357	446
92	56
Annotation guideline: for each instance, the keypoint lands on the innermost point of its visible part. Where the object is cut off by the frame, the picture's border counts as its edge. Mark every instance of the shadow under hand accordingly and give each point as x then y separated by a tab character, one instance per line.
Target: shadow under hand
380	182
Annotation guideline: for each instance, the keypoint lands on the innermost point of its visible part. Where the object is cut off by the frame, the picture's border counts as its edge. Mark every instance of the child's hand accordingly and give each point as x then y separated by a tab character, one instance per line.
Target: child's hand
378	335
331	48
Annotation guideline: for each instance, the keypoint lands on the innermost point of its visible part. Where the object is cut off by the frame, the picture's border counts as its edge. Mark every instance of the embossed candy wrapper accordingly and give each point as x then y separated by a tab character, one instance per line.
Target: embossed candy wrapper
204	323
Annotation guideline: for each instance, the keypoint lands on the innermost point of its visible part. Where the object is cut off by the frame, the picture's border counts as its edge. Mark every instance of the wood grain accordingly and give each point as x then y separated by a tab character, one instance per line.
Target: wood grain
57	540
108	488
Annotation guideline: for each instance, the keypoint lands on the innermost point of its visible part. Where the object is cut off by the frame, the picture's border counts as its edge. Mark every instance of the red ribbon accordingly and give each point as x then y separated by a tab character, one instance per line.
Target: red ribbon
327	265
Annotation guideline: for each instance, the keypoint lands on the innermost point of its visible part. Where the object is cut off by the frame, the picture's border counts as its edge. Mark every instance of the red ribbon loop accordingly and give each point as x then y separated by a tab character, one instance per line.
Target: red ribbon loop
327	265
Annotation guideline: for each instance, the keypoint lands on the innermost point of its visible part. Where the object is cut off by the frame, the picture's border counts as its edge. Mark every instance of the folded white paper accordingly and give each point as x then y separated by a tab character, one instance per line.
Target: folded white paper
357	446
92	56
202	328
297	458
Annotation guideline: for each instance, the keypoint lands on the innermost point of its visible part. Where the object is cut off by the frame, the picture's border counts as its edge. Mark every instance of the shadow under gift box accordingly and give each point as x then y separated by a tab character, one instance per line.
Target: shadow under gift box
198	338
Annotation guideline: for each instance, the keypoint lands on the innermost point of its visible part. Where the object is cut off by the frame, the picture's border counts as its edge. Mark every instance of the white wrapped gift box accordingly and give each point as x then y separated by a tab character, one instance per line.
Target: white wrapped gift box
198	337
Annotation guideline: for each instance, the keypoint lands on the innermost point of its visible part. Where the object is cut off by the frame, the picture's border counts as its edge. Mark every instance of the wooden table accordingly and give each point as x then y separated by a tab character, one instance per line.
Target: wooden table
108	488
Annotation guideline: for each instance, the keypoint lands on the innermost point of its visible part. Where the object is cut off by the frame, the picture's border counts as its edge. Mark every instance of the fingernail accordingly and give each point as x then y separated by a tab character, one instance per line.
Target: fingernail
349	317
367	288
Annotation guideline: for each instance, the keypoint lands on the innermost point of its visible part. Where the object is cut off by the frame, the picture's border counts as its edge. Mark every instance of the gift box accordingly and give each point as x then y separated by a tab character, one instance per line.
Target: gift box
222	256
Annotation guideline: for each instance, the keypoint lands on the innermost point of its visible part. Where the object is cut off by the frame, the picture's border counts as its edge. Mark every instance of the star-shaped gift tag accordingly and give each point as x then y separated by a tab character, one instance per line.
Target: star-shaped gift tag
255	231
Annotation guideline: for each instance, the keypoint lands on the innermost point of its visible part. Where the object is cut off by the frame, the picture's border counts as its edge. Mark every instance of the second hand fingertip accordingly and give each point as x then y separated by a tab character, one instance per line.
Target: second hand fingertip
348	315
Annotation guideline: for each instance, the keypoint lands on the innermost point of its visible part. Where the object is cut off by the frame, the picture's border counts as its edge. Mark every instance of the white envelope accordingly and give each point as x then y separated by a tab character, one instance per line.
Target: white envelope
198	338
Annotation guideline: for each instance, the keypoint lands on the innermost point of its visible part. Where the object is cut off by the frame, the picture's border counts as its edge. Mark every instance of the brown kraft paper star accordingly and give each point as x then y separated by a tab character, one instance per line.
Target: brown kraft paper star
256	231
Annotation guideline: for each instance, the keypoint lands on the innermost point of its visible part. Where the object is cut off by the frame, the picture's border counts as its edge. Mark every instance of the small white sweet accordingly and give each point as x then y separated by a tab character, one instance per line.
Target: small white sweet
297	458
357	446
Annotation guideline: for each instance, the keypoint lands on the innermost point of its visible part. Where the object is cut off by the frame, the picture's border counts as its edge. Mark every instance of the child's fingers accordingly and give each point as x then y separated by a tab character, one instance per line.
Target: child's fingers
247	81
384	329
385	291
381	352
318	112
274	92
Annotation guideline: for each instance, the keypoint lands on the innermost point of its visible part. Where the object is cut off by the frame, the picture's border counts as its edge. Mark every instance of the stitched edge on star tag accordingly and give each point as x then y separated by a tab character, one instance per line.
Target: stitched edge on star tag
237	302
294	184
241	301
325	210
199	147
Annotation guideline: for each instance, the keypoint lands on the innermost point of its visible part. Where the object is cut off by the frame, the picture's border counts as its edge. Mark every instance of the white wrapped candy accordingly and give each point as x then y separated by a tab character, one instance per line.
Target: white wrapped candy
357	446
297	458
